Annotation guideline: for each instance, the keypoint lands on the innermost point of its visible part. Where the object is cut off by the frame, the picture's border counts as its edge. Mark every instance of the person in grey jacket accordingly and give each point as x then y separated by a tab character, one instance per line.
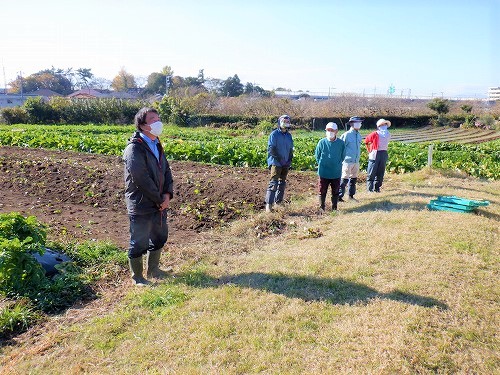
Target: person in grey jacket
350	165
148	191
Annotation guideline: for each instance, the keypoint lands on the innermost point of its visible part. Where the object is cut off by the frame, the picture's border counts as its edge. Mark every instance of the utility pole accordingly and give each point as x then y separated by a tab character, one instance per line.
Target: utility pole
21	80
4	82
167	84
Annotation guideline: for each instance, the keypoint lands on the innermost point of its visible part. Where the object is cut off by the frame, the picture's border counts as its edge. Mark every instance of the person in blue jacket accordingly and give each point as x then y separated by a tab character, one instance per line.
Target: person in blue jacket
279	160
330	152
350	166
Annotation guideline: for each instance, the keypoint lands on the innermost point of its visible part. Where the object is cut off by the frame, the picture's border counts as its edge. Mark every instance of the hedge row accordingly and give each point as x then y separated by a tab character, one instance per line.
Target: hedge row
119	111
73	111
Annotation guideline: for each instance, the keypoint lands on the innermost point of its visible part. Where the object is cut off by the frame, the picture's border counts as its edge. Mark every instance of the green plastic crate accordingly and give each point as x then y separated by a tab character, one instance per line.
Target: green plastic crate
455	204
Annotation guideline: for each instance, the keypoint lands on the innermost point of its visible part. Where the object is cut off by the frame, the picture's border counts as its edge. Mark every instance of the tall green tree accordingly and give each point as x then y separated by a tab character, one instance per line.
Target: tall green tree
156	83
84	76
255	90
159	82
192	81
232	86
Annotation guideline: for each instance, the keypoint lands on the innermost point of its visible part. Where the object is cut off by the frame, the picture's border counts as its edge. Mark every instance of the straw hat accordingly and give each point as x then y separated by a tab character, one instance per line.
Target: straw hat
383	122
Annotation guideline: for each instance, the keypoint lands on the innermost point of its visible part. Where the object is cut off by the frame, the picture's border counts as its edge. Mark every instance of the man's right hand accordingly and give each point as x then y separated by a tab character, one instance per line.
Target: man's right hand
166	203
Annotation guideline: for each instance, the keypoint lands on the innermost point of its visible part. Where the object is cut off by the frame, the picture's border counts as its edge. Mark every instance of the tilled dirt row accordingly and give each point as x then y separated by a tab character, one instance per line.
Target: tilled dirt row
80	196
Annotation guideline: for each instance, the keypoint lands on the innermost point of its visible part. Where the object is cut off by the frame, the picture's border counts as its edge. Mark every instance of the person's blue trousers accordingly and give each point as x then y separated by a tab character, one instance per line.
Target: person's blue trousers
376	170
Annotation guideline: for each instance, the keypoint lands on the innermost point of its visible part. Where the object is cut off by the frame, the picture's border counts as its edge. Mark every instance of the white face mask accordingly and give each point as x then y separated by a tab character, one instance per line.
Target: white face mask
156	128
383	127
330	135
356	125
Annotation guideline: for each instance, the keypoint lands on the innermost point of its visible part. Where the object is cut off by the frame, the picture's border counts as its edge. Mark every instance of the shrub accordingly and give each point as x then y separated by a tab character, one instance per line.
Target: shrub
98	111
487	121
171	110
469	121
14	115
265	126
441	106
40	112
441	120
467	108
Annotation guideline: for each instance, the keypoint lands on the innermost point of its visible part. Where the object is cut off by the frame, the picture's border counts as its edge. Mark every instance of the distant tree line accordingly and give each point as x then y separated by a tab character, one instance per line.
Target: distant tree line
66	81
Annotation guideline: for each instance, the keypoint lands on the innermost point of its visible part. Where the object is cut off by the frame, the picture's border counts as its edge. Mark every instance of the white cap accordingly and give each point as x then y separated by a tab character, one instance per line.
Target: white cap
331	125
282	123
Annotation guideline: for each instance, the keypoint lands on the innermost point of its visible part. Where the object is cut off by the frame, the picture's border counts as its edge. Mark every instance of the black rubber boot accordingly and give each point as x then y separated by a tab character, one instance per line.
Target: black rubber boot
335	199
342	189
352	187
322	199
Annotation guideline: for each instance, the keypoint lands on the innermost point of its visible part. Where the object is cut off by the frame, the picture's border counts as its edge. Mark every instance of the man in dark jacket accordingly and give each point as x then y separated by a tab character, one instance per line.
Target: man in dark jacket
148	190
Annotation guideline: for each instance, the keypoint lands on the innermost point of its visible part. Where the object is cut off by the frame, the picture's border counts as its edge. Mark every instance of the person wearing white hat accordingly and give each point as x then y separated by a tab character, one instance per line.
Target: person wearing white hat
329	153
350	166
279	160
377	144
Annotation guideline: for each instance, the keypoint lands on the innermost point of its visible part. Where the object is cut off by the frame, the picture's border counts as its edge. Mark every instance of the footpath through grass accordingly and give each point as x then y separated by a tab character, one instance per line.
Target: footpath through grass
382	286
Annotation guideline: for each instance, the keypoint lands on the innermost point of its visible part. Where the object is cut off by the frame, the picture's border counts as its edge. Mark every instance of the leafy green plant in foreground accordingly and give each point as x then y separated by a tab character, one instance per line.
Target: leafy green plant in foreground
21	276
23	279
20	273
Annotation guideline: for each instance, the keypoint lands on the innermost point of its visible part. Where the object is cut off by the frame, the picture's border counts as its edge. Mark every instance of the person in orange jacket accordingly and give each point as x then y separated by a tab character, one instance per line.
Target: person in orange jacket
377	144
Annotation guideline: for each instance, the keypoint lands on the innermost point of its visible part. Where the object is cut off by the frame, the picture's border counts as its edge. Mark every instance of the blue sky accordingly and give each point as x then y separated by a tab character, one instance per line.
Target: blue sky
423	48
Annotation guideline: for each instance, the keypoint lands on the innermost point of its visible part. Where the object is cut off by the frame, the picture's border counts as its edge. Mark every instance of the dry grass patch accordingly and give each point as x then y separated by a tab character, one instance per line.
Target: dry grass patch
389	287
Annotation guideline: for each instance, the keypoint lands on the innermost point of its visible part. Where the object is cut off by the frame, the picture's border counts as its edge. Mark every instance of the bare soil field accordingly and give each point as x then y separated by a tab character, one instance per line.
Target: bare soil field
80	196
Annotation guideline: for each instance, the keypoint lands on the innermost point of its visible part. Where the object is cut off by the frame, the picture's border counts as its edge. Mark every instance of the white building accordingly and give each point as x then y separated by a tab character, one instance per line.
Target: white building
12	100
494	93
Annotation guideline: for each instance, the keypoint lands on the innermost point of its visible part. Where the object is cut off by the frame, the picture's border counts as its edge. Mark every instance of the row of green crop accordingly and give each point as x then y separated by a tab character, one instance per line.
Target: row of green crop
238	148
